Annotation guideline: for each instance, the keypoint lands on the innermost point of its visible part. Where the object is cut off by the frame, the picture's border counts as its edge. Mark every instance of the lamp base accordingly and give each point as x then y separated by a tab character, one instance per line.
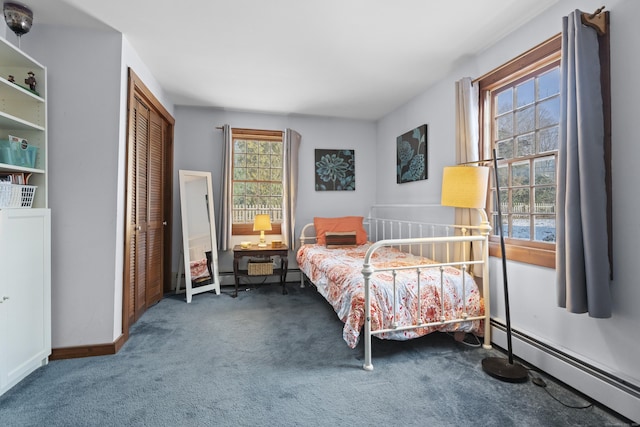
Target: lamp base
262	245
501	369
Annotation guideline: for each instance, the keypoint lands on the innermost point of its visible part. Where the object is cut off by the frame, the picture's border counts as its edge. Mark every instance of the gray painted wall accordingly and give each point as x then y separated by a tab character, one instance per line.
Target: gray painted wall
83	86
87	86
198	146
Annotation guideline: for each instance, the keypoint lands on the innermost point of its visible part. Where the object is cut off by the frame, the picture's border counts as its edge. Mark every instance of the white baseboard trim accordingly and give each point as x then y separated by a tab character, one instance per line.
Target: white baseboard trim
604	387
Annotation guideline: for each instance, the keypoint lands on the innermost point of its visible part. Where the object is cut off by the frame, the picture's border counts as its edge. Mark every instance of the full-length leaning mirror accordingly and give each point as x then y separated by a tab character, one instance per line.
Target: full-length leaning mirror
198	233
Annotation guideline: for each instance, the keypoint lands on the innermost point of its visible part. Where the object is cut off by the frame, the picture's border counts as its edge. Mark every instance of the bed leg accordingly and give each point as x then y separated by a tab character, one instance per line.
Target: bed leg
367	271
367	350
487	342
367	338
487	333
367	342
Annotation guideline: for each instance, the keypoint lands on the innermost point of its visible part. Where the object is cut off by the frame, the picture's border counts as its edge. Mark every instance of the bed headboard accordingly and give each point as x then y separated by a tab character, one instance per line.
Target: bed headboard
426	213
411	221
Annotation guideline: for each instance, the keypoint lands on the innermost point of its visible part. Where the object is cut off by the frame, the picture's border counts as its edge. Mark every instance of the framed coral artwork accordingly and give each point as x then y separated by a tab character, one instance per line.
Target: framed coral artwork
335	170
412	155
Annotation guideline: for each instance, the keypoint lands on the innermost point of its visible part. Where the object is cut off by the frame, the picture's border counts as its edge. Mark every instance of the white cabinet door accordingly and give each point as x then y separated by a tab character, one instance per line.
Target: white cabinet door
25	293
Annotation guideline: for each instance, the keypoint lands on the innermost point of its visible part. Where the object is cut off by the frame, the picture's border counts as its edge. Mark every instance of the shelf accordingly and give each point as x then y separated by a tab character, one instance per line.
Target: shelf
13	90
10	54
12	122
4	167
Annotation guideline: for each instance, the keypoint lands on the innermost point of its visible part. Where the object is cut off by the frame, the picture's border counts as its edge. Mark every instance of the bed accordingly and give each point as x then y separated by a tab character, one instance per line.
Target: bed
399	278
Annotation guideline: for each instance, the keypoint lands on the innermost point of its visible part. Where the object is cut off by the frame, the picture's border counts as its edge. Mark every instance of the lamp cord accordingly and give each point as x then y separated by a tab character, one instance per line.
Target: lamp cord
542	384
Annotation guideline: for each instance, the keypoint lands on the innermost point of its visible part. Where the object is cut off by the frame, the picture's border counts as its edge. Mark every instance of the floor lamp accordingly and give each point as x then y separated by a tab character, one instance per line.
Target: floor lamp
498	367
465	186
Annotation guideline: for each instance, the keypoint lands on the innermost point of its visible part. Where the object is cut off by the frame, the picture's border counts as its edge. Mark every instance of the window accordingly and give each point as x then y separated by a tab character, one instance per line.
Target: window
257	179
520	119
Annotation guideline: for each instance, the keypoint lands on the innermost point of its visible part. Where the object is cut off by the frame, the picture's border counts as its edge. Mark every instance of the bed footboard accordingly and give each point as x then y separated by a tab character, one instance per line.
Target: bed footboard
464	265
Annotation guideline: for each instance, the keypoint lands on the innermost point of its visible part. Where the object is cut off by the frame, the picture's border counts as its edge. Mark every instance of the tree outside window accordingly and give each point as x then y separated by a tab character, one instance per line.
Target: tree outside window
257	179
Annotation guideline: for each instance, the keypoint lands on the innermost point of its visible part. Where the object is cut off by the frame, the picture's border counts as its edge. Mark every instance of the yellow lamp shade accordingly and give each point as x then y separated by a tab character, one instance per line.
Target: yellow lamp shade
262	222
465	186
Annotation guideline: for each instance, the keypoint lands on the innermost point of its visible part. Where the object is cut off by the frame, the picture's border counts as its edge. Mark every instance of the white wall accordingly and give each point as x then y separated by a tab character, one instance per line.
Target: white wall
198	146
87	90
437	115
609	344
83	83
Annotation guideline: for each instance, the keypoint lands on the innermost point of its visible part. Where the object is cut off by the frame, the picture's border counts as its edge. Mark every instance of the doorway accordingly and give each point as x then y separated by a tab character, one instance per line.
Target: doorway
147	263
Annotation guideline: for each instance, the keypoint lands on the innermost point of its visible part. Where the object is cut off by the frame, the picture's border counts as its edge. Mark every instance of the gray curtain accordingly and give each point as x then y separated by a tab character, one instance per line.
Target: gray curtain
582	263
226	199
290	150
467	142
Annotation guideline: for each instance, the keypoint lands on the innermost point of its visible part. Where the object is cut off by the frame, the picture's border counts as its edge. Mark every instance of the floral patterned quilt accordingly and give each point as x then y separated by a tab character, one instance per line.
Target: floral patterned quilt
337	274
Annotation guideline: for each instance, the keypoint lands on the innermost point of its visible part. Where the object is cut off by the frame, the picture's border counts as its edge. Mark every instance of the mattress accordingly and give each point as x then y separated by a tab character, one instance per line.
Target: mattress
337	274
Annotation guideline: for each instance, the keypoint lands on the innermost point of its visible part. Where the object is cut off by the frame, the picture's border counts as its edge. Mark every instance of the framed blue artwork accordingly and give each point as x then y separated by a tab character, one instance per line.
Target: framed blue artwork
412	155
335	170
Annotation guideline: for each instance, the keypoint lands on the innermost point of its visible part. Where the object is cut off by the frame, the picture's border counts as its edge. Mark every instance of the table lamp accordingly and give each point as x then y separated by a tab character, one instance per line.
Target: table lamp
262	223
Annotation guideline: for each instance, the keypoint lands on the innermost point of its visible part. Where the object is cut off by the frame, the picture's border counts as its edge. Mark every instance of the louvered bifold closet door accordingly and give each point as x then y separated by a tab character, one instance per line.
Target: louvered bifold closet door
139	216
148	202
156	221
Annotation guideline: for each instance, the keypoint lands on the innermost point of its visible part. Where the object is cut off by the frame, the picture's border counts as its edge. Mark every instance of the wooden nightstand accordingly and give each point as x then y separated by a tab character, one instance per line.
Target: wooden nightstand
263	253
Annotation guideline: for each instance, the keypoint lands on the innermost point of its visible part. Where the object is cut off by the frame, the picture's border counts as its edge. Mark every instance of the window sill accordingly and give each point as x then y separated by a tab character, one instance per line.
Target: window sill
527	255
247	230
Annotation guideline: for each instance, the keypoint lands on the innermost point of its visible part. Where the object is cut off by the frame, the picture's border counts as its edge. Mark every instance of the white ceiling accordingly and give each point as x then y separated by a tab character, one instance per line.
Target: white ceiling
337	58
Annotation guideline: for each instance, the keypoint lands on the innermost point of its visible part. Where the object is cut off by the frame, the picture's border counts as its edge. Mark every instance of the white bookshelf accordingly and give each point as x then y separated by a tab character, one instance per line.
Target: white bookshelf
25	232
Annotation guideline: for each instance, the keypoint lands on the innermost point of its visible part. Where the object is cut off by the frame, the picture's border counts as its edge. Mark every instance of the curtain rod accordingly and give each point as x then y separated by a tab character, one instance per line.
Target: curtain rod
598	20
222	127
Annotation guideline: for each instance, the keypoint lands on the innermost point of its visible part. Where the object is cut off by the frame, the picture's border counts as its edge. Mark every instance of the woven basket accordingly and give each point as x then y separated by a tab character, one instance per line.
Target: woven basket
260	268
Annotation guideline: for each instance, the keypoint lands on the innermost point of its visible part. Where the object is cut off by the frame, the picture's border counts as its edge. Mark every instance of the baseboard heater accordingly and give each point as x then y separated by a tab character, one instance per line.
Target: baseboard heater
620	386
230	273
227	277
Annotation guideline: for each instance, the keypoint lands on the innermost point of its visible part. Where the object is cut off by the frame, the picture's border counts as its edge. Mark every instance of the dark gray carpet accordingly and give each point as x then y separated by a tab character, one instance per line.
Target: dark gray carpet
267	359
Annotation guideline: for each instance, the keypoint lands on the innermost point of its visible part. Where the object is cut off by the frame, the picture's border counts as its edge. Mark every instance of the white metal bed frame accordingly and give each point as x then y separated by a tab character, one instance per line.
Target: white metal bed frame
435	241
